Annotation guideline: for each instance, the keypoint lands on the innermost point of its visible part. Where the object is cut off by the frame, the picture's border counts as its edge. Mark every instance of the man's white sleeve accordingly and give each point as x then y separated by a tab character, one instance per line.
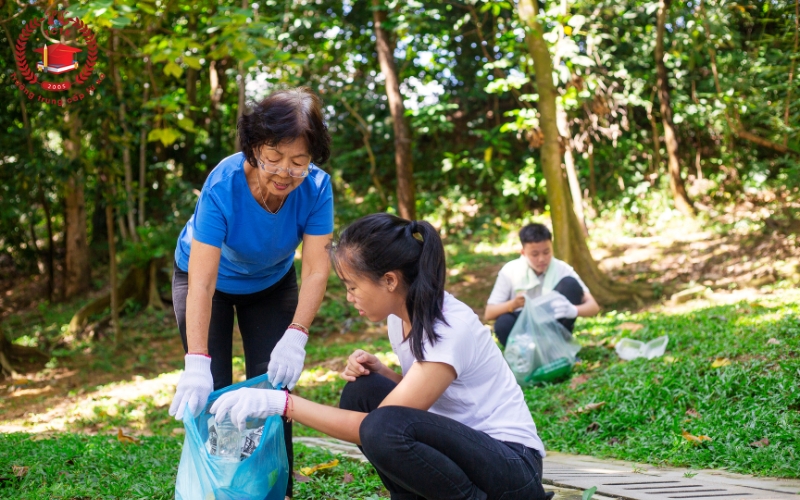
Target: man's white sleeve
503	290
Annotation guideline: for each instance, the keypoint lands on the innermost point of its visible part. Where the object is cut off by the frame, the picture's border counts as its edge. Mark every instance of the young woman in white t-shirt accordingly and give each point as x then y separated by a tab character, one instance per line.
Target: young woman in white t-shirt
454	425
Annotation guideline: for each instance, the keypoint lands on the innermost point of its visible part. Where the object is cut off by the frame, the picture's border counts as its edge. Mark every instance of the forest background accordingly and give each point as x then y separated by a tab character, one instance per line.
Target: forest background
617	123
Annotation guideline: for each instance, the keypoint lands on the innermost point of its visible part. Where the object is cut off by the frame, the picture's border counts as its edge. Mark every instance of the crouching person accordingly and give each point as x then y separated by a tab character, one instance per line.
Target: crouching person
534	273
454	425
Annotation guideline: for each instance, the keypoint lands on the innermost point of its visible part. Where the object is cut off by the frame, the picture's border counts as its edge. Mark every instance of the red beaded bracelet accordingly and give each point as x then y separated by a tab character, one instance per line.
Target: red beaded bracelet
298	327
286	404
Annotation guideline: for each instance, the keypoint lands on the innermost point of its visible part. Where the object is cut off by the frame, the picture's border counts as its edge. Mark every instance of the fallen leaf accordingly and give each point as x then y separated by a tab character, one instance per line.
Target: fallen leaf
760	443
670	359
613	441
19	470
631	327
178	430
327	465
695	439
593	366
565	418
348	478
693	413
590	407
42	436
300	478
773	341
123	438
587	494
576	381
720	362
638	470
594	426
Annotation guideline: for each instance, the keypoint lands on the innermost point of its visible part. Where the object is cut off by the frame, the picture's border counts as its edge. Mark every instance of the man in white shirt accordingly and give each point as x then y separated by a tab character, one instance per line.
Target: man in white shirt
534	273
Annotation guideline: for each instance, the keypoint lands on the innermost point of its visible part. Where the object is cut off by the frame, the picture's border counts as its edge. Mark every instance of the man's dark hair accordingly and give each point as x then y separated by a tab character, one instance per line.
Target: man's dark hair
285	115
535	233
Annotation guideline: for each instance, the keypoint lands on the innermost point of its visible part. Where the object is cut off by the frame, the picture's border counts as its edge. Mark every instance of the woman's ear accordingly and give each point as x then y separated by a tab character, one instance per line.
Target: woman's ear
392	280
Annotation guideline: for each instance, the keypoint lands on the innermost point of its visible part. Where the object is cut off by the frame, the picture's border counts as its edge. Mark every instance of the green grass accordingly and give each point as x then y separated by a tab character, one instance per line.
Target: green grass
75	466
756	396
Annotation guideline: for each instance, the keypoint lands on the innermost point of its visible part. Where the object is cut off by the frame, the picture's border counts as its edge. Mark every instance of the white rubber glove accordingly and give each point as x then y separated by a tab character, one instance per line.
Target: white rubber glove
562	308
249	403
194	386
286	360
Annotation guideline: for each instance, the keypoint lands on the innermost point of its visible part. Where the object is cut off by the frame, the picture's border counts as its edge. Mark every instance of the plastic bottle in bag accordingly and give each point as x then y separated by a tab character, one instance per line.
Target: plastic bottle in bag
229	440
519	354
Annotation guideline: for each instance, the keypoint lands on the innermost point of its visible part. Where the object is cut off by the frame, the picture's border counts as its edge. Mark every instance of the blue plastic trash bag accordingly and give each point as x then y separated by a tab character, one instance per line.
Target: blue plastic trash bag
260	476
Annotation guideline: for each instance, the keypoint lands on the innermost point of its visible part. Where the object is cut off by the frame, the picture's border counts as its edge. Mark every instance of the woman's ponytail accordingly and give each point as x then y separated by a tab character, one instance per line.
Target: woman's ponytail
425	297
379	243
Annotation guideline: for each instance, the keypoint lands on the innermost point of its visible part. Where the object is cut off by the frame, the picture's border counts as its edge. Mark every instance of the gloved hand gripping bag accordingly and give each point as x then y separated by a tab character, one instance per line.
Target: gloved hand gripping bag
261	476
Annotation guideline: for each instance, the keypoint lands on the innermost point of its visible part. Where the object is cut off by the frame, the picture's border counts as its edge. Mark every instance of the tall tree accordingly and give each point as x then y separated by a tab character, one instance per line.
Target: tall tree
570	243
402	135
77	275
676	185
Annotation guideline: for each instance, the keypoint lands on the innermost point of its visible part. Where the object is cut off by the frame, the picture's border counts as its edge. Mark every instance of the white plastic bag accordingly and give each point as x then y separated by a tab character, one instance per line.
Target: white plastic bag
629	349
539	348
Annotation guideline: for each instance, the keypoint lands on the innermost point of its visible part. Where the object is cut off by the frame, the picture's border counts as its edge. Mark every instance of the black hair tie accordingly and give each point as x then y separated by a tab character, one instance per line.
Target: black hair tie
412	227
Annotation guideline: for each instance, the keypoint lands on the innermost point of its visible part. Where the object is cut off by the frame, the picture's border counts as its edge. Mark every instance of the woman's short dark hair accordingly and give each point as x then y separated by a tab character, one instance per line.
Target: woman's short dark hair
379	243
285	115
535	233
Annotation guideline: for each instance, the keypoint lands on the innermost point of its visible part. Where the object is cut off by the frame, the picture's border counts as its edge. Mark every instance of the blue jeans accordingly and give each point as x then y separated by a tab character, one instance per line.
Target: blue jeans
421	455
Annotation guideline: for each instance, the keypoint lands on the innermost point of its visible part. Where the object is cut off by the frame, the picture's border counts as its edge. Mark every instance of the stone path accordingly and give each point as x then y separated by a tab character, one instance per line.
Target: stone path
569	475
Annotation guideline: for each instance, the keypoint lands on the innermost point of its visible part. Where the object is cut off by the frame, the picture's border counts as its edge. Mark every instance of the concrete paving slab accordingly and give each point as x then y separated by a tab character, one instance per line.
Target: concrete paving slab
629	480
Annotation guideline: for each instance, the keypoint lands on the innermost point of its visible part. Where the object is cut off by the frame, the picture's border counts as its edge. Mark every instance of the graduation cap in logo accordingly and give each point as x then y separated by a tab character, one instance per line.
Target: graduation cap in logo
57	58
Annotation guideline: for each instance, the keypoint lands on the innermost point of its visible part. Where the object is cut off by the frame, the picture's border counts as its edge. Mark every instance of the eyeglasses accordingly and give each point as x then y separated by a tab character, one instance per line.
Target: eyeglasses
271	168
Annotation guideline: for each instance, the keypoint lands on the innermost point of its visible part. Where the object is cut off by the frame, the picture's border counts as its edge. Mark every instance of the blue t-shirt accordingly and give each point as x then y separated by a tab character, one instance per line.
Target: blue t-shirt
257	247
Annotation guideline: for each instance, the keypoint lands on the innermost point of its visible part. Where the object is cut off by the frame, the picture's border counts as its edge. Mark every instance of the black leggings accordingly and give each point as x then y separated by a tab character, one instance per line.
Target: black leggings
421	455
263	319
568	287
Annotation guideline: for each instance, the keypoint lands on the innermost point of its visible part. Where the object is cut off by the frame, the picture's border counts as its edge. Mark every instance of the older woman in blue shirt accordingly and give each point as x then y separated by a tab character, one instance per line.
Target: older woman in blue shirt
236	253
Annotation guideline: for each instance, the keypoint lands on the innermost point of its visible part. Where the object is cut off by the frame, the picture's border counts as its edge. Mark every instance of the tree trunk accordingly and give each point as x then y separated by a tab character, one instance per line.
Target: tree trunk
570	243
402	135
134	286
569	165
51	265
9	353
592	175
143	159
656	139
126	147
241	83
676	185
112	271
791	70
77	269
366	133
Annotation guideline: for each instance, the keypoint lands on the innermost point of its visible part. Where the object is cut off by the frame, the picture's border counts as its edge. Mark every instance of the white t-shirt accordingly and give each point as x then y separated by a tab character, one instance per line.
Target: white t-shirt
517	275
484	396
